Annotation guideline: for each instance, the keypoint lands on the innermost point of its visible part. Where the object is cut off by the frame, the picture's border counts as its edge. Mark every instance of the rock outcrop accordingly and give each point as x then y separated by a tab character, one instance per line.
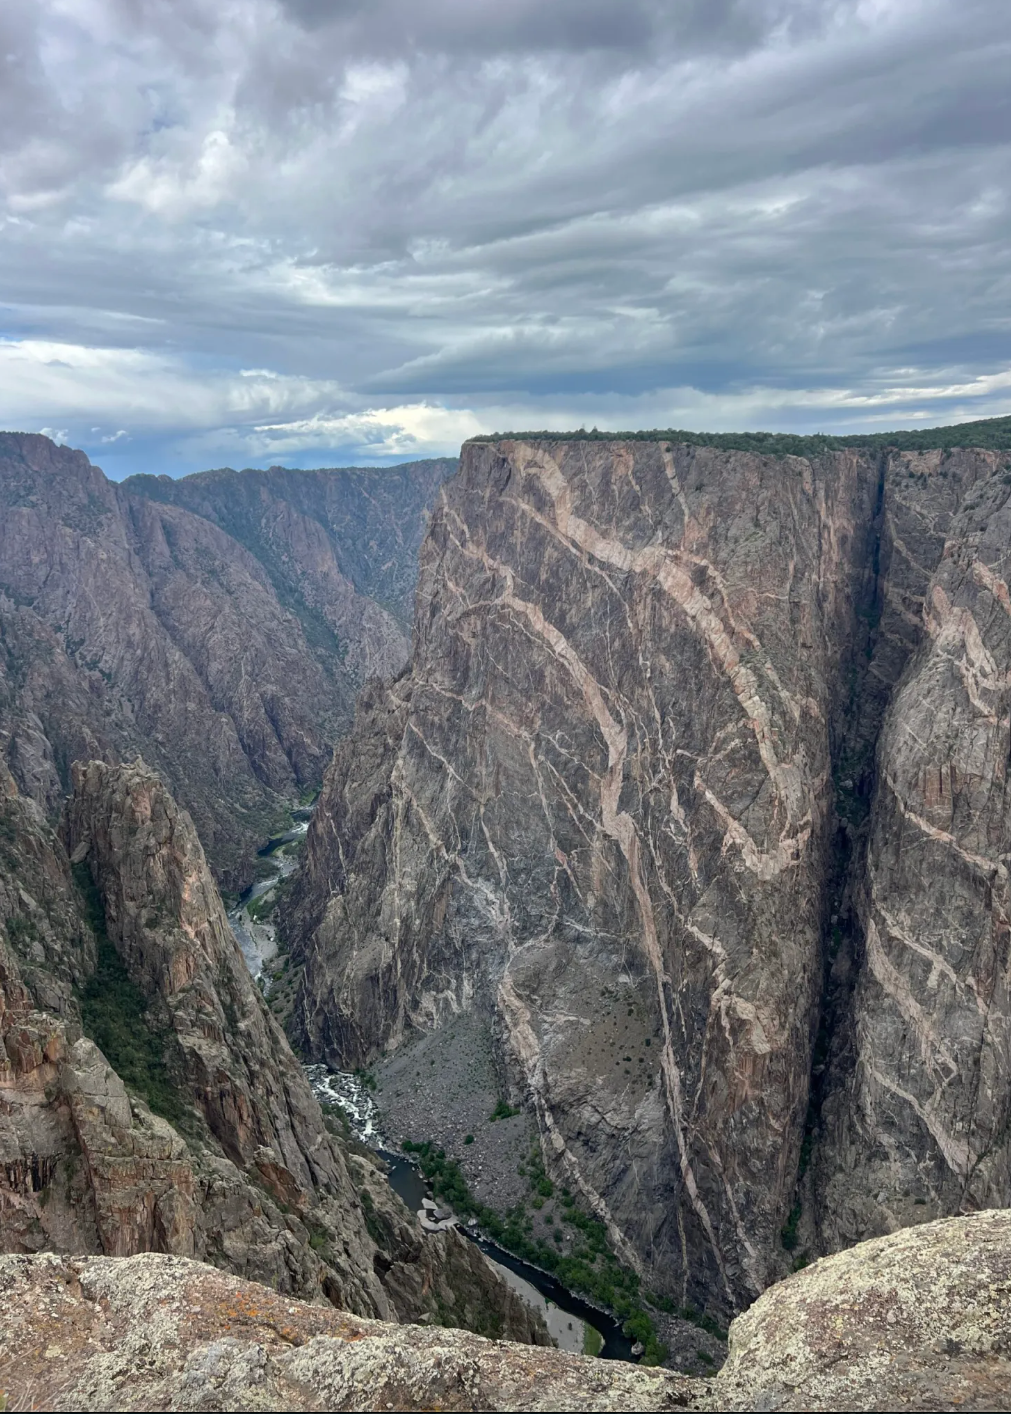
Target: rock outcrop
165	919
48	941
619	808
921	1320
163	1332
133	626
215	1146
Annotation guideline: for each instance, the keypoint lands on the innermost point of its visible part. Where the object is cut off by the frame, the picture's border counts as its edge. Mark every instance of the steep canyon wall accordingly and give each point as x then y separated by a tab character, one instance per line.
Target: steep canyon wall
663	767
219	629
150	1103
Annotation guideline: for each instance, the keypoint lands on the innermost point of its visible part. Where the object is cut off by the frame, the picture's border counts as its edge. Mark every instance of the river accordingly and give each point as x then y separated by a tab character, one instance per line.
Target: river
257	937
566	1315
570	1320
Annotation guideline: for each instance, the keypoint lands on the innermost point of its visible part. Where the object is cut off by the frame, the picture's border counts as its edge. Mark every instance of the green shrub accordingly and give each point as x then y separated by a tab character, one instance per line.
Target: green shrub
503	1111
21	930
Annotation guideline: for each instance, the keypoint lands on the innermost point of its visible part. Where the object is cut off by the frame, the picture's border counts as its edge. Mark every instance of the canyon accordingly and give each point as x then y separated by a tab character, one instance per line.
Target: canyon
658	874
150	1102
691	803
225	649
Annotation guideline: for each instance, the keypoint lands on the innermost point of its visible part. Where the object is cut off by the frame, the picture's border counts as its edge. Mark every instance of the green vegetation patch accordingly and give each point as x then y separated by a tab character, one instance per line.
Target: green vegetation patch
21	931
376	1228
593	1341
261	908
114	1016
991	433
502	1110
590	1268
686	1313
9	832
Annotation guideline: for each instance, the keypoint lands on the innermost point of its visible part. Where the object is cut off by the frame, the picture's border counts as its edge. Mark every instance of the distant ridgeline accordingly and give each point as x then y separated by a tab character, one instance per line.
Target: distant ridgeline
991	433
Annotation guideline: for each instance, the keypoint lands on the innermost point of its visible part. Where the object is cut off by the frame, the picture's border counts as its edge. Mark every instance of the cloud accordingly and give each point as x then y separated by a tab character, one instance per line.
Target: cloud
181	418
416	429
408	218
497	27
152	392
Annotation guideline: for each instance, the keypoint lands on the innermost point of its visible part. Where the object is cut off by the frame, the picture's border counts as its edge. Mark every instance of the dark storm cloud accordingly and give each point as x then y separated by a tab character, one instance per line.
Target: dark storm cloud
257	228
489	27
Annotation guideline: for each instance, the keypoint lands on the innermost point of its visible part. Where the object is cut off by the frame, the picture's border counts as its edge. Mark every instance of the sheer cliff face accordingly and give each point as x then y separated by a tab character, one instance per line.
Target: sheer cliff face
602	818
131	626
314	531
88	1166
164	914
612	805
919	1118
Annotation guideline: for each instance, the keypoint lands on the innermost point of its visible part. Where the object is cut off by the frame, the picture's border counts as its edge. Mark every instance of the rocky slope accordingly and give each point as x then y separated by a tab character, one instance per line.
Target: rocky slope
619	809
921	1320
214	1147
130	625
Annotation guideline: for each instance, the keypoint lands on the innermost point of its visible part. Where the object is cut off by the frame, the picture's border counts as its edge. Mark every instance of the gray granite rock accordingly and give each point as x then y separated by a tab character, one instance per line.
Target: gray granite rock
619	808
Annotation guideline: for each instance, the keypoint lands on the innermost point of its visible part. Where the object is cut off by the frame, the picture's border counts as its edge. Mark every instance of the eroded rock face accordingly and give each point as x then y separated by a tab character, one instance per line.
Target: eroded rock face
918	1320
258	1185
165	917
40	918
618	807
344	540
133	626
82	1166
605	801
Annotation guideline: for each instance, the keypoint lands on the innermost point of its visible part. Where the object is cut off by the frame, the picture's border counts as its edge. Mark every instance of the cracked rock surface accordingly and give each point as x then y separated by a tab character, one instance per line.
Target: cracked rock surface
918	1113
157	1332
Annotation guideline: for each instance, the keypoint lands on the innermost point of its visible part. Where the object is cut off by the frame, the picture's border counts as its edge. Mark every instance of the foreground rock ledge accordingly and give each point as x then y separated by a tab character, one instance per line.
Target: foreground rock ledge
920	1319
158	1332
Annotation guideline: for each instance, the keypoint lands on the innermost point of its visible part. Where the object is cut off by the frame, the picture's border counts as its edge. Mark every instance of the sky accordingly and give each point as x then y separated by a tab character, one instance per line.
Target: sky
326	232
